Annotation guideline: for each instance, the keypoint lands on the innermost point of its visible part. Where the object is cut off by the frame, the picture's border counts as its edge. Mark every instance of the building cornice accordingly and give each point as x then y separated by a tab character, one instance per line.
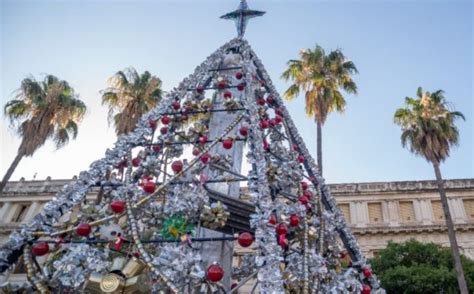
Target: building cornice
413	228
49	186
399	187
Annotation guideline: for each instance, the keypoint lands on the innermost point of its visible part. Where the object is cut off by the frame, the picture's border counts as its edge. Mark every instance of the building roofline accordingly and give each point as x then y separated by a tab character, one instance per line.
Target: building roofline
400	186
50	186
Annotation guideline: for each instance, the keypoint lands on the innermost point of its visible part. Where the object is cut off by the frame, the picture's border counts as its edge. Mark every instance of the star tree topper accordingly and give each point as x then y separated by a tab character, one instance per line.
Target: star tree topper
241	16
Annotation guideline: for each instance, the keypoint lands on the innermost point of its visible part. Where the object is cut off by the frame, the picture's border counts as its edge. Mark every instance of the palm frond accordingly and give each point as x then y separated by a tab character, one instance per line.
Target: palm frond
320	76
292	92
428	125
42	109
419	92
61	138
16	109
129	96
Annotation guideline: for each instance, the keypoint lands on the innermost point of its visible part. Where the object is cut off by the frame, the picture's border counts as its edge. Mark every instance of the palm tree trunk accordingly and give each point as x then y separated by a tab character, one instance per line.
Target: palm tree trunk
10	170
319	147
451	233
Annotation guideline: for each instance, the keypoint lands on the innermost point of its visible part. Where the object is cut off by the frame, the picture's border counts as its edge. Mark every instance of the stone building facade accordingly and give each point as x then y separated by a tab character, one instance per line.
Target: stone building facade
398	211
378	212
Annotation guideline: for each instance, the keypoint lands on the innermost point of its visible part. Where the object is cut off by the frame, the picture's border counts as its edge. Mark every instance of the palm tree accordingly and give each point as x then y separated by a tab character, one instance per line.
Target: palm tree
320	77
129	96
42	110
428	130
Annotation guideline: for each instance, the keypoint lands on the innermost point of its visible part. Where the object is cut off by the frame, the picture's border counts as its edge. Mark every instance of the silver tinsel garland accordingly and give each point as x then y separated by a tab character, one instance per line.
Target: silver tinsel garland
176	266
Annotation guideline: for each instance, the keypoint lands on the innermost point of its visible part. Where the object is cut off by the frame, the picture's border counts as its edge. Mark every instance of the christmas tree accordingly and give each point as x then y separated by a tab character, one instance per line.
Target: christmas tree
164	223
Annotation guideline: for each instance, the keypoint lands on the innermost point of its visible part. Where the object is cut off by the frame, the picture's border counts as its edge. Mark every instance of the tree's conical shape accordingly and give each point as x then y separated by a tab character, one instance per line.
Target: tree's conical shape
170	195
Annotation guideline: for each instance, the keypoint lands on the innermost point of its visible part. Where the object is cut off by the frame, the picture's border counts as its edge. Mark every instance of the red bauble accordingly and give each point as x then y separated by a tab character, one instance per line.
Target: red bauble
281	229
239	75
278	111
215	273
221	85
300	158
303	199
304	185
264	124
367	272
308	194
244	131
40	249
272	122
203	139
117	206
227	94
278	119
196	151
176	105
164	130
83	230
227	143
156	147
136	162
295	147
149	187
272	220
200	89
366	289
177	166
241	87
205	158
245	239
270	100
152	124
294	220
283	242
266	146
122	164
165	120
261	101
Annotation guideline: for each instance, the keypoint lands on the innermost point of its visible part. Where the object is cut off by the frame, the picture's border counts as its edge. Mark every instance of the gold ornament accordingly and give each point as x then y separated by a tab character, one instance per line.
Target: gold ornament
112	283
125	276
214	216
231	104
272	172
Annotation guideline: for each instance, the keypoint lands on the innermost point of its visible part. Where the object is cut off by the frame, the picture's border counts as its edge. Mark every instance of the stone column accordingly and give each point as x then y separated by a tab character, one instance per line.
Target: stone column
426	212
353	213
457	210
385	212
393	213
362	214
32	211
7	217
219	121
6	208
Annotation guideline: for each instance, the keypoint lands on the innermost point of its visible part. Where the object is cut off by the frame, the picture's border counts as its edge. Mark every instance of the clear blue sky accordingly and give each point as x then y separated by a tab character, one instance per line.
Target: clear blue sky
397	46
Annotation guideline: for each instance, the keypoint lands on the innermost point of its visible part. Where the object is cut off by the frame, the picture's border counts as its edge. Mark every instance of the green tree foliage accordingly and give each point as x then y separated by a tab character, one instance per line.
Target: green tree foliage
429	130
414	267
129	97
320	77
42	110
